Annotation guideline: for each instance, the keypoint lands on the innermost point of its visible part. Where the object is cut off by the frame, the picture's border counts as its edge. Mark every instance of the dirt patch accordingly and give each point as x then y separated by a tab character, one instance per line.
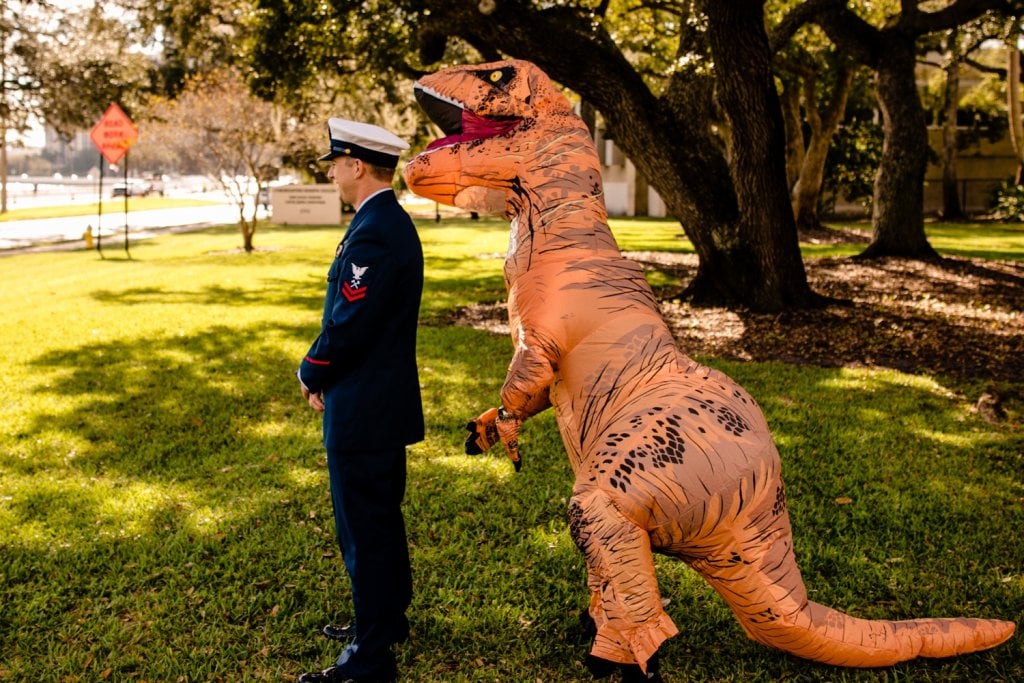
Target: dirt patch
959	317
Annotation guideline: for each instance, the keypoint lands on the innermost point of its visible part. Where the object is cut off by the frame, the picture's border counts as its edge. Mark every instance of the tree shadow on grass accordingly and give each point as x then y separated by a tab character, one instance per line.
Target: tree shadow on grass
159	405
272	292
200	451
174	491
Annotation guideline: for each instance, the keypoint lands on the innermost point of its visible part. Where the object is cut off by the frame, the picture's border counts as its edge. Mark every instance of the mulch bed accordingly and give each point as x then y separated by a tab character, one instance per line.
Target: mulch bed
957	317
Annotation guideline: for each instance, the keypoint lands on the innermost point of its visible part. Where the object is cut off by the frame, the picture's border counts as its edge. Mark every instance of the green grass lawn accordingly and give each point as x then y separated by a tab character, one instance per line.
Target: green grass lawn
998	241
165	515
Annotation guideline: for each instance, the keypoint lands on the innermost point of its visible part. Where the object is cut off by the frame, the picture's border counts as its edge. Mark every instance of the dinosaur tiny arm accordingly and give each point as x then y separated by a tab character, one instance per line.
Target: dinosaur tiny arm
525	393
530	374
492	426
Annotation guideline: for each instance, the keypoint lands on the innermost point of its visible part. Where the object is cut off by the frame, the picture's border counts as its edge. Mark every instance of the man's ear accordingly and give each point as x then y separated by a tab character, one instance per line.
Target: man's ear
358	168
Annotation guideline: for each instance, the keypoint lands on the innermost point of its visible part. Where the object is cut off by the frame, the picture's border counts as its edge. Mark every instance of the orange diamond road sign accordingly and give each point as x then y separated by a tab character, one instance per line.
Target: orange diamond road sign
114	134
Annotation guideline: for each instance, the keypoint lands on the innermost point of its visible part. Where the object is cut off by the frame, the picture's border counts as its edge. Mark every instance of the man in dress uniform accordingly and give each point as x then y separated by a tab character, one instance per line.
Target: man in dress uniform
361	373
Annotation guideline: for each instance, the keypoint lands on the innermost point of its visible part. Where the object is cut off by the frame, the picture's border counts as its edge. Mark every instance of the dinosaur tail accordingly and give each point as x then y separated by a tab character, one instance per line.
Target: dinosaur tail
754	568
826	635
822	634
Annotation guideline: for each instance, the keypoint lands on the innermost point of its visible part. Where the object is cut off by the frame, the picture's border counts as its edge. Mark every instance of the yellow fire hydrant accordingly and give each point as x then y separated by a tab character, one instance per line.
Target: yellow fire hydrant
87	236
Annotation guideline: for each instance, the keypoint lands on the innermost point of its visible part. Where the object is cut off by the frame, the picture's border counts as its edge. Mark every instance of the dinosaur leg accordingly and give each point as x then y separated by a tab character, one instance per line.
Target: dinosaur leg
746	554
624	600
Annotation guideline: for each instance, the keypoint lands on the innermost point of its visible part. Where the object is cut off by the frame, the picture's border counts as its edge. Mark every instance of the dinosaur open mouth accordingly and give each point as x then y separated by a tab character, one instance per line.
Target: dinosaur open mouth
458	123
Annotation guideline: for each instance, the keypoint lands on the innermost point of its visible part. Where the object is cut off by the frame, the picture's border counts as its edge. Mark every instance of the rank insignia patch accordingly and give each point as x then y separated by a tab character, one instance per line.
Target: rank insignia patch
354	290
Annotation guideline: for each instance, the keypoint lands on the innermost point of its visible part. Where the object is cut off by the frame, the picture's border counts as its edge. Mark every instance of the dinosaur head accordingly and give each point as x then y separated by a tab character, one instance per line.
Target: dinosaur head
513	145
476	102
482	109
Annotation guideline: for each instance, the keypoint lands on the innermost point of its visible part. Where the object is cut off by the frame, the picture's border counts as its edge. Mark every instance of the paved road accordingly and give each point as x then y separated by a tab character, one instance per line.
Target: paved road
68	233
16	235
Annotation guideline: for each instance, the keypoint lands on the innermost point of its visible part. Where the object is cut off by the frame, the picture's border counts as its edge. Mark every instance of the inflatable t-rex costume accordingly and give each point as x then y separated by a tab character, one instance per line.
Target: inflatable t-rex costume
668	455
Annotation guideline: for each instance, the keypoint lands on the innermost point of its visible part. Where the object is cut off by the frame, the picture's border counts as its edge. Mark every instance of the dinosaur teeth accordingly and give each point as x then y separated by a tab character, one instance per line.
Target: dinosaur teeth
443	111
418	88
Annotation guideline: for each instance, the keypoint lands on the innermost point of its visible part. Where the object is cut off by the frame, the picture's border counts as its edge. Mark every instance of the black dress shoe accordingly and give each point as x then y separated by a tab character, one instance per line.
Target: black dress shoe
335	632
332	675
348	631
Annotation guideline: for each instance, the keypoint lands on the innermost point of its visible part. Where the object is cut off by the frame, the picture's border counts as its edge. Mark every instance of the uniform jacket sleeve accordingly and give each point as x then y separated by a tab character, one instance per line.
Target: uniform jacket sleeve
357	294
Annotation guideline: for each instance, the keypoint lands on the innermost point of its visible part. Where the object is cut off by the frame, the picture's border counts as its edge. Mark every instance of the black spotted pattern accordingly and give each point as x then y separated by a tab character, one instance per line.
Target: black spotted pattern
730	420
780	502
576	525
725	562
663	445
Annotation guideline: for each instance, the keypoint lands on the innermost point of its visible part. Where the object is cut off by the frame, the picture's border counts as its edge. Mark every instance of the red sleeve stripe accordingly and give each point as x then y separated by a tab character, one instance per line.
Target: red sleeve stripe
353	294
314	361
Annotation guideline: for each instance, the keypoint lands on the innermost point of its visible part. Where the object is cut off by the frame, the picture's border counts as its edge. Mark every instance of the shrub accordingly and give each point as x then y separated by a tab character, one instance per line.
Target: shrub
1009	202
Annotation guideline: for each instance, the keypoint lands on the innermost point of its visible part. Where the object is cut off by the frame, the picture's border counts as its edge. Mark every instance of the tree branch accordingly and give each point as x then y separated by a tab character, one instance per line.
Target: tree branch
848	31
957	14
793	21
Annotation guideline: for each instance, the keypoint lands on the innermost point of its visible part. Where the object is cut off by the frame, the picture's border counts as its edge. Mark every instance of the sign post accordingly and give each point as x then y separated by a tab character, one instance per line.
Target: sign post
113	134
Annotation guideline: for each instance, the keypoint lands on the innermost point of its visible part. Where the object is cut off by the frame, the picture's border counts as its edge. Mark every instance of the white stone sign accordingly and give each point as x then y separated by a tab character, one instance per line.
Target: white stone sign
305	204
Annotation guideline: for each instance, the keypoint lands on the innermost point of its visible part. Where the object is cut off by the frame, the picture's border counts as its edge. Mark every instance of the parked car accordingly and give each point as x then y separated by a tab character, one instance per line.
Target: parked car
156	184
133	188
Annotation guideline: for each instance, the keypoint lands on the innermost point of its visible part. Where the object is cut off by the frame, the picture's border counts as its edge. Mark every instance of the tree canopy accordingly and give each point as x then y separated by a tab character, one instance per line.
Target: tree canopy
689	90
64	67
686	89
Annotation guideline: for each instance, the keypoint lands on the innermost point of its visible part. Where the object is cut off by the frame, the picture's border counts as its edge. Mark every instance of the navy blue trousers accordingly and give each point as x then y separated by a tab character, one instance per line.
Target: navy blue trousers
367	488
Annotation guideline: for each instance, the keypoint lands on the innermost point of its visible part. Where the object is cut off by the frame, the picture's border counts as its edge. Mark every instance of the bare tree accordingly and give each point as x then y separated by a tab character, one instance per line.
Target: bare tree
217	126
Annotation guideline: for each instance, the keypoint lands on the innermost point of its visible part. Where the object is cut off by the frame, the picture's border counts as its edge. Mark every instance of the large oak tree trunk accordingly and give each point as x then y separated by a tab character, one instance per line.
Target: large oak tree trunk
898	208
898	211
951	206
766	246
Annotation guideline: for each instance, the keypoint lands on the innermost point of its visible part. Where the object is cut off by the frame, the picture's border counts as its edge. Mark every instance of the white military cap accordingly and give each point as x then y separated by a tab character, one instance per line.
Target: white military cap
364	141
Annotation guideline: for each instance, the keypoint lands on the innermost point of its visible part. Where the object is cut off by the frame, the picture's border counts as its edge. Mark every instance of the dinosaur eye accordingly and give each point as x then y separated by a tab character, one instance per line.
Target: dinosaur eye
496	77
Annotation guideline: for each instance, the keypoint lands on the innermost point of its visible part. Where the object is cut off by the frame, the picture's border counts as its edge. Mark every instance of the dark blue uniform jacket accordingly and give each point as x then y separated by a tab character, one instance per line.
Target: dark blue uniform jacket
364	359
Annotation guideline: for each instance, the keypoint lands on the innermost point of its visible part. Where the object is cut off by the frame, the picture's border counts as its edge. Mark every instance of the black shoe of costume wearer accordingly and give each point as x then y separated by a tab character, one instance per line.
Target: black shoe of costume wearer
332	675
631	673
587	629
599	668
